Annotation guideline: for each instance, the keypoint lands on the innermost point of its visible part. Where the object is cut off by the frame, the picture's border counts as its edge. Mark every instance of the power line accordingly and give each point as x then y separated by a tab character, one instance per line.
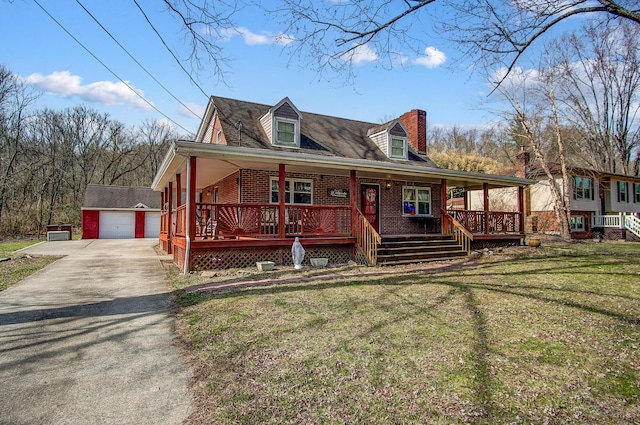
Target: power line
135	60
109	69
169	49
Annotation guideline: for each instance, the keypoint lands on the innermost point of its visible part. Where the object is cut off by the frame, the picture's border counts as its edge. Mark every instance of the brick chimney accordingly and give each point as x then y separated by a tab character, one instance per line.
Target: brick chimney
415	121
522	163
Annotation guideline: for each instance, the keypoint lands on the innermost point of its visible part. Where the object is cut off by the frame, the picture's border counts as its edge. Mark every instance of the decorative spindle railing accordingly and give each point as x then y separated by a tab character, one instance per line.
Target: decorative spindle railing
488	221
262	220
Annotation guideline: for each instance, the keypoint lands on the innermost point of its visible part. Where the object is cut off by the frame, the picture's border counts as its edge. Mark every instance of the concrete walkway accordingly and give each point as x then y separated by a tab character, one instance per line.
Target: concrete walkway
88	339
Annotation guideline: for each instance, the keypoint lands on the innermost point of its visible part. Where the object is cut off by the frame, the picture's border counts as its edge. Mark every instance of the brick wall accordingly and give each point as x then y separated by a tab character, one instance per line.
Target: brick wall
256	189
391	218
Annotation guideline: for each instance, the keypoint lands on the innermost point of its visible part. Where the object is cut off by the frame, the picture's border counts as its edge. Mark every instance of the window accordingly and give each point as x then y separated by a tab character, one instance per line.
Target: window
285	132
416	201
583	189
623	192
398	147
302	191
636	193
219	137
577	223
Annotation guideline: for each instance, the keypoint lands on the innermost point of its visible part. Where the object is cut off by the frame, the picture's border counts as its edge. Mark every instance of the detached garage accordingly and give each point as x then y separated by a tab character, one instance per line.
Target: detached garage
118	212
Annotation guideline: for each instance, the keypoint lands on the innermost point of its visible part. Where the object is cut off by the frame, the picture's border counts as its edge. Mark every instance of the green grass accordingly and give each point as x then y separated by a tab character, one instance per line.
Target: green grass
529	336
19	265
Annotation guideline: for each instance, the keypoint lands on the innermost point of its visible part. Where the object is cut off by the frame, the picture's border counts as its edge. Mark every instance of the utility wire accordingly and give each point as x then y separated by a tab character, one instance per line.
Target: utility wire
169	49
135	60
109	69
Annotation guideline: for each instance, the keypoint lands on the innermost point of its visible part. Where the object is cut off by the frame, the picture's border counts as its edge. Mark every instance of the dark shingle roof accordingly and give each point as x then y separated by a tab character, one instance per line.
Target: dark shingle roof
103	196
319	134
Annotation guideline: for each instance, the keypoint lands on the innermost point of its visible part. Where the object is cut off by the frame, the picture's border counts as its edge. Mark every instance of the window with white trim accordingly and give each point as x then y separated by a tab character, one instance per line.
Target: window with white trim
302	191
398	147
636	193
577	223
623	192
583	188
286	132
416	201
219	137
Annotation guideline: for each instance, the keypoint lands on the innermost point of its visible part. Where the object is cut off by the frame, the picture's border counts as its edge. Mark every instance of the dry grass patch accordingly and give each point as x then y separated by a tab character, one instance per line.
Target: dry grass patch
526	336
17	266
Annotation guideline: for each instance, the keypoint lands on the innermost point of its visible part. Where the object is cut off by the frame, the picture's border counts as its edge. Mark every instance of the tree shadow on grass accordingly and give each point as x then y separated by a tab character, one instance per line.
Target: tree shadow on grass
463	278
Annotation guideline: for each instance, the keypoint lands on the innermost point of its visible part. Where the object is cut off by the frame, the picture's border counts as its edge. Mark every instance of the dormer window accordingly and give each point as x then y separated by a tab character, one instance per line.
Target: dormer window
282	124
398	147
285	132
391	138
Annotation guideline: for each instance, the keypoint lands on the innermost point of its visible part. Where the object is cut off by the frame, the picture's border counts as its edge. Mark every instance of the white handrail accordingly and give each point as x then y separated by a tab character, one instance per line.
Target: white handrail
632	223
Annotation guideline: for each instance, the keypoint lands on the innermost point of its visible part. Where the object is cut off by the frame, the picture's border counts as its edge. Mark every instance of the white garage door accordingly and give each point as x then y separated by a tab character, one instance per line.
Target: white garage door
151	224
117	225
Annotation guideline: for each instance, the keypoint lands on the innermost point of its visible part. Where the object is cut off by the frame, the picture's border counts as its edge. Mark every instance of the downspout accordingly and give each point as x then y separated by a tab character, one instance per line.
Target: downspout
187	231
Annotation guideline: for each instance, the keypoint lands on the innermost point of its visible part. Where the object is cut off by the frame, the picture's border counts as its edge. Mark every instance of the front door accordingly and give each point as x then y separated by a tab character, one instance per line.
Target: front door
370	204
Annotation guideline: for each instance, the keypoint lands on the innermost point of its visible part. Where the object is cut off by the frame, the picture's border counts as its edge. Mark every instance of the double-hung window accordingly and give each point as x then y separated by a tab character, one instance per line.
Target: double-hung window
623	192
301	194
416	201
577	223
583	189
286	132
398	147
636	193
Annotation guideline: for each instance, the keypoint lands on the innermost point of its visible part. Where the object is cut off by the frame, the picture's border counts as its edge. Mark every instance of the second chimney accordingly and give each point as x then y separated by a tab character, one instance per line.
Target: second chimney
415	121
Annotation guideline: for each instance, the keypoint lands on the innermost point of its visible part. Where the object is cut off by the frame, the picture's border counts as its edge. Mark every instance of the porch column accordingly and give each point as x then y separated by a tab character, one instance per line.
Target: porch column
521	208
281	206
353	183
191	199
178	191
170	208
485	190
444	221
162	217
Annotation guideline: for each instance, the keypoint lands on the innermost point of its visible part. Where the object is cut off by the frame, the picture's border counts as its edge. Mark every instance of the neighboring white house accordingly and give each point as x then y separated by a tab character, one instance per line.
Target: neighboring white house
593	195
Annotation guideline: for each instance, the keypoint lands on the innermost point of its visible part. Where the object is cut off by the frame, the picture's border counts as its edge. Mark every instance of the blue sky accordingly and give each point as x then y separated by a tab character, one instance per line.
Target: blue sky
39	51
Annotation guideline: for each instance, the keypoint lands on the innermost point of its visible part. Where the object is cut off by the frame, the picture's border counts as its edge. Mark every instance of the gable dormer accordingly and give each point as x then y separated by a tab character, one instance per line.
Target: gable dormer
282	124
391	139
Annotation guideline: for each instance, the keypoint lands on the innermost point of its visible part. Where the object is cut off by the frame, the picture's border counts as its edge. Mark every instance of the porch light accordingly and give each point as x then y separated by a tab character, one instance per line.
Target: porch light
387	186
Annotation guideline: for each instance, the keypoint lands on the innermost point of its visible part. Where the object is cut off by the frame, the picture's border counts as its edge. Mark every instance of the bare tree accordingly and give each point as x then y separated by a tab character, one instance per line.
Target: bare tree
599	94
538	124
15	100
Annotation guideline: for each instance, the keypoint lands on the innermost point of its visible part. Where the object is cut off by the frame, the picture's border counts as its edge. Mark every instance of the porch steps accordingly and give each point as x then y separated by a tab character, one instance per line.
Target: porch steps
396	250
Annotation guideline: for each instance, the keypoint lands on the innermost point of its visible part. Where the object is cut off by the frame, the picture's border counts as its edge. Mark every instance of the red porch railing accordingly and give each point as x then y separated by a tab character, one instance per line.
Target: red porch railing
367	239
488	221
261	220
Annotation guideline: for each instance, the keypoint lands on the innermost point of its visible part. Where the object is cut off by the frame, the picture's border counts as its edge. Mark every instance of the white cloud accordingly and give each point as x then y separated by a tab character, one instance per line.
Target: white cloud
106	92
432	58
252	38
518	77
360	54
195	107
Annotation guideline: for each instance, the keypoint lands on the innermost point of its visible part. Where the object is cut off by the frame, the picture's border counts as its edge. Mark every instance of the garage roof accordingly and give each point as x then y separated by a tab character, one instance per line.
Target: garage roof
104	196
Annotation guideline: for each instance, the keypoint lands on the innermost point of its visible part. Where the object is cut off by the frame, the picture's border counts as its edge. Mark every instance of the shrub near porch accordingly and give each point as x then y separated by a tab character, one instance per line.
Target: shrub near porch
531	336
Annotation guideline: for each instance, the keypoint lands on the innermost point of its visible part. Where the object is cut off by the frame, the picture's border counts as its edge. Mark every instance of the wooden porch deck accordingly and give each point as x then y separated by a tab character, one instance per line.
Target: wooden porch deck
238	235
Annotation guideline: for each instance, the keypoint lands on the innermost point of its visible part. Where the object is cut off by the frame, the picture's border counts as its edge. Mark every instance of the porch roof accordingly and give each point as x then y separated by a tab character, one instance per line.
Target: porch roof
218	161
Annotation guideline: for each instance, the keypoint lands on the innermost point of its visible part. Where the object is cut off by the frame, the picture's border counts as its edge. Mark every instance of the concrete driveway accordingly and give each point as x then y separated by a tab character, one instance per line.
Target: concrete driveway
88	339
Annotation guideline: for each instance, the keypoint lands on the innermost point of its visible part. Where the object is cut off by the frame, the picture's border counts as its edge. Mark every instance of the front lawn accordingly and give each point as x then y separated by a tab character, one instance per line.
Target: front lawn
18	266
526	336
